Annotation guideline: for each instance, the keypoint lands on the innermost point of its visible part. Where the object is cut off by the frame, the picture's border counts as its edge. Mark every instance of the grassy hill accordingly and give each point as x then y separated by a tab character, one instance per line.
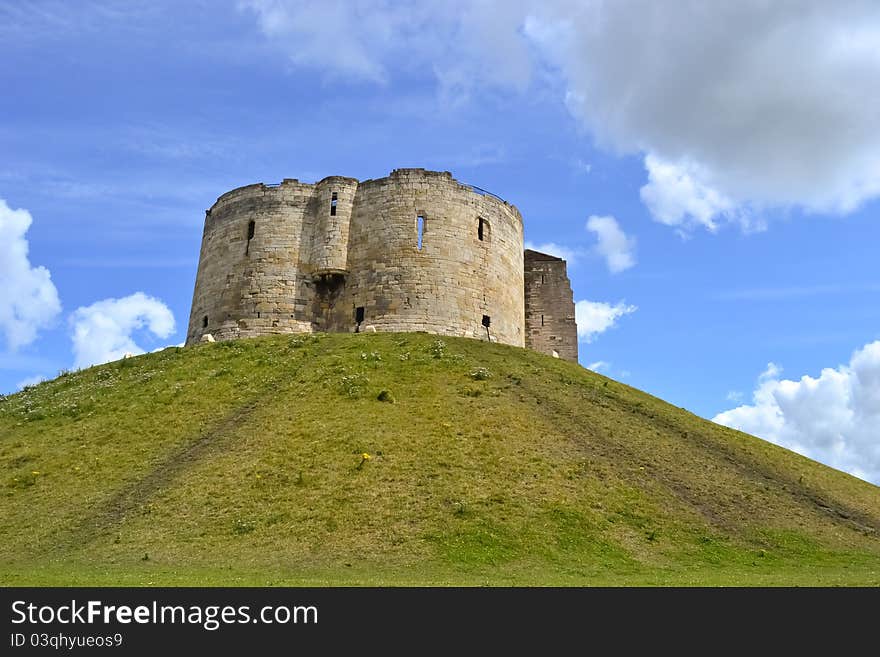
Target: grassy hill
243	463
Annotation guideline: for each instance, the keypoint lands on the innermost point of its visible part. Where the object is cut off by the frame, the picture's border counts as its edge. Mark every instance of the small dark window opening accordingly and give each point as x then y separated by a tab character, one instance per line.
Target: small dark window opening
542	320
542	278
205	321
250	235
333	200
480	229
420	230
486	322
358	318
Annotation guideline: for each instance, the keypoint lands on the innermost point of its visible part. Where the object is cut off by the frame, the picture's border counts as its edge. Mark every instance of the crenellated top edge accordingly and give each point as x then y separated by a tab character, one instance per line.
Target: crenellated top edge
395	175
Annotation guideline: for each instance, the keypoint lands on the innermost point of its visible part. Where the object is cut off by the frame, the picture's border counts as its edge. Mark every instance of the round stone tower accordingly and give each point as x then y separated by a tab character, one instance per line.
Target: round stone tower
415	251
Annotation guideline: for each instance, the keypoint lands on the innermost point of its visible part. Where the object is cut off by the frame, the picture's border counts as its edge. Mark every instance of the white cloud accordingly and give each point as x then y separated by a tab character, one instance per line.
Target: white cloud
103	331
772	371
28	298
833	418
462	43
570	255
599	365
306	29
595	317
167	346
614	245
735	106
675	196
734	396
30	381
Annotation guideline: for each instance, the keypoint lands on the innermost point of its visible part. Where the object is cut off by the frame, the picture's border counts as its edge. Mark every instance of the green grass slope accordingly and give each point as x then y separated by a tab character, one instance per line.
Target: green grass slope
242	463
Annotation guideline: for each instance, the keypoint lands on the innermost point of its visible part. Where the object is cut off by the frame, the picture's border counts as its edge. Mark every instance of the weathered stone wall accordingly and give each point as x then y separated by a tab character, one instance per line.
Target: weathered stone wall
307	269
329	240
250	287
455	279
549	306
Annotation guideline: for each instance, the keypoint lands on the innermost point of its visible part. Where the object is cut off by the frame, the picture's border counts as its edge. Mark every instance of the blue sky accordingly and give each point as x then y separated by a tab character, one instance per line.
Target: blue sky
734	151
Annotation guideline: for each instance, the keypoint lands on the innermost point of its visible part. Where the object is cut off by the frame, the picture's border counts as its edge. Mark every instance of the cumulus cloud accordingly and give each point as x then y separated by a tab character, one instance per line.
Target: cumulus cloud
735	106
569	254
599	365
595	317
675	197
833	418
28	298
104	330
614	246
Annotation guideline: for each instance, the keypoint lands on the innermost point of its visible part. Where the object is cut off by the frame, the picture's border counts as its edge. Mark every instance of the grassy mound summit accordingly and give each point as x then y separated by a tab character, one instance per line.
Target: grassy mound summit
403	459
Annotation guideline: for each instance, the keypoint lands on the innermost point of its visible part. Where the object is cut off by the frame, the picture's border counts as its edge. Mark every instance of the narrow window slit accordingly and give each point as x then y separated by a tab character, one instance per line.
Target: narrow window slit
480	228
420	230
252	227
333	201
205	321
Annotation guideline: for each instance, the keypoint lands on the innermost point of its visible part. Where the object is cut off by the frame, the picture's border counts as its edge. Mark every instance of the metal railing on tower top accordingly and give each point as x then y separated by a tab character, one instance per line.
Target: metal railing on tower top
478	190
484	192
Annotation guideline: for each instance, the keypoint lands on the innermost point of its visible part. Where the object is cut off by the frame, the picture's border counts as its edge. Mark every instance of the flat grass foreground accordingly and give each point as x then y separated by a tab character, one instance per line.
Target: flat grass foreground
403	459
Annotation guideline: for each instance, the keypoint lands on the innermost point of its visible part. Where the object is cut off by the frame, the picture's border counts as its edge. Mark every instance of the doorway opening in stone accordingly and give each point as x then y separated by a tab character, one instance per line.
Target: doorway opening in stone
358	318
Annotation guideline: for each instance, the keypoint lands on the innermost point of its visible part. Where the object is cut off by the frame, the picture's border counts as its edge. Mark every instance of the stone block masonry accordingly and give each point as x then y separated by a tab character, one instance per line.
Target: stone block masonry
549	306
415	251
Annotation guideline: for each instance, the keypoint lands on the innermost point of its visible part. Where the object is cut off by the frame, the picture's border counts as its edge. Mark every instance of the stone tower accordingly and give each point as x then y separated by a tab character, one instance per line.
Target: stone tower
549	306
414	251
